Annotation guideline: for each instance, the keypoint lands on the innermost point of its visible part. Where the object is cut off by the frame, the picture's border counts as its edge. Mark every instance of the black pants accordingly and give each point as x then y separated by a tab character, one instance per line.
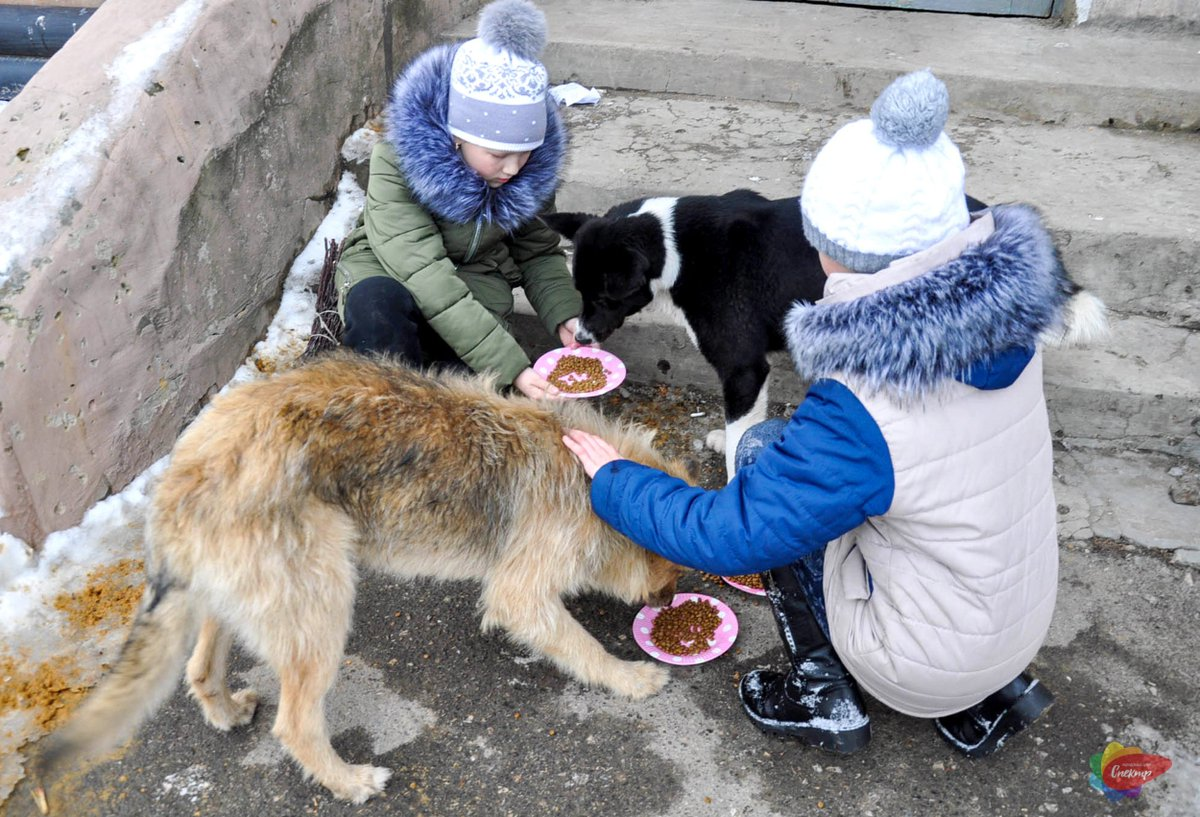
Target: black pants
381	317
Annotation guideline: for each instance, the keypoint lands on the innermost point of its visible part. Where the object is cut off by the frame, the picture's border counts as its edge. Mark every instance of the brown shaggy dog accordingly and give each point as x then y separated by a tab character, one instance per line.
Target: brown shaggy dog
283	489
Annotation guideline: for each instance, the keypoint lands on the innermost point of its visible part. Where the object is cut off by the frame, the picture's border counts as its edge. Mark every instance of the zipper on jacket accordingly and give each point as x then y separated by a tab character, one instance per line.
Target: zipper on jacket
474	243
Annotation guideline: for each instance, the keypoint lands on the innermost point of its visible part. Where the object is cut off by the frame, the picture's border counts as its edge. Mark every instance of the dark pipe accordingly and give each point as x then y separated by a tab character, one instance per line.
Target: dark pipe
38	31
15	72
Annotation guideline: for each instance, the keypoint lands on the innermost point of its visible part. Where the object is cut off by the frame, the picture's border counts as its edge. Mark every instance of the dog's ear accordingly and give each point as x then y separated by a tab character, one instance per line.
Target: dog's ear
566	224
742	235
628	276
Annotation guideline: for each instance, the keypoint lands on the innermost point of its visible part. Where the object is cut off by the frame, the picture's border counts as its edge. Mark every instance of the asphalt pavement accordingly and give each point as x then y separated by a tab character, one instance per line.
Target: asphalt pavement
472	725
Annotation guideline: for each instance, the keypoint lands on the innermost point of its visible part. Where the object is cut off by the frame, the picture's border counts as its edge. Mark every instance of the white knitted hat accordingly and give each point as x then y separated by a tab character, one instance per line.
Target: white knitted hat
497	85
887	187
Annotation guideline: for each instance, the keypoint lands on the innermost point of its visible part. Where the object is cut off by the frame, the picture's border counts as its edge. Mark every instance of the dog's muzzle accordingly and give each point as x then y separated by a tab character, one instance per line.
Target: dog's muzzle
662	597
582	335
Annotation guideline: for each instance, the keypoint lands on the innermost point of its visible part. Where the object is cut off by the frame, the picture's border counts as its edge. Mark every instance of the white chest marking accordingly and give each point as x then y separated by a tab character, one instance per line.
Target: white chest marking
663	208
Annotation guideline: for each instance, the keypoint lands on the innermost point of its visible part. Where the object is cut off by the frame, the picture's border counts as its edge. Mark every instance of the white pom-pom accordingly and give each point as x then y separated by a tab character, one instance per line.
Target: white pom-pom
912	111
514	25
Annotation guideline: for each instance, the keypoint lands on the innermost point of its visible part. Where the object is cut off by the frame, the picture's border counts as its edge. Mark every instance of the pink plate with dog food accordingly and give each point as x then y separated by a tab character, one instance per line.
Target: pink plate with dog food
685	628
732	581
580	376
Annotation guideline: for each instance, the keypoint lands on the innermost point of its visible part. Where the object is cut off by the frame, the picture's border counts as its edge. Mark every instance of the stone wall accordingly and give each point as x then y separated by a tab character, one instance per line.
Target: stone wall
157	177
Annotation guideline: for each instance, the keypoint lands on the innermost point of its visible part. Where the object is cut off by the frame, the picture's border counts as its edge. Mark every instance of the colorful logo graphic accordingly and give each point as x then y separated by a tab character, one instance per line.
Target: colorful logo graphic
1121	771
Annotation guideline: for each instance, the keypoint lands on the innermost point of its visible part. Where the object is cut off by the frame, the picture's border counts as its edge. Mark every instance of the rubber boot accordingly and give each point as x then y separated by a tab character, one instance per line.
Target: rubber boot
817	702
980	730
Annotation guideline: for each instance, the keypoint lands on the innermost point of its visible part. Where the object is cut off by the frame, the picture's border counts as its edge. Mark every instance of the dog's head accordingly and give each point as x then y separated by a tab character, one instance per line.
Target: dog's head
663	580
612	268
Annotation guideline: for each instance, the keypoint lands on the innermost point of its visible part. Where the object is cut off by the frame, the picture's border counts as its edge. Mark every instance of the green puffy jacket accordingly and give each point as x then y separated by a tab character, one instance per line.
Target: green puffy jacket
460	275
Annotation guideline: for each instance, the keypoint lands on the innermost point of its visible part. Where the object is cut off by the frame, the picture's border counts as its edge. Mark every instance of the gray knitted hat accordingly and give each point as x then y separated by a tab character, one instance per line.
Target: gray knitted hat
887	187
497	85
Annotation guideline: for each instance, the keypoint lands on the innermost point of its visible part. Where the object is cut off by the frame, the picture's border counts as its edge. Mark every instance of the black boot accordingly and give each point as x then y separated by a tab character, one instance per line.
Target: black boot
982	729
817	701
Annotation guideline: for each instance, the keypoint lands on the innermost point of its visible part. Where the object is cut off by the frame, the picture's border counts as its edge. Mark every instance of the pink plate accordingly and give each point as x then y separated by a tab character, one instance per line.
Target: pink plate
614	369
727	631
745	588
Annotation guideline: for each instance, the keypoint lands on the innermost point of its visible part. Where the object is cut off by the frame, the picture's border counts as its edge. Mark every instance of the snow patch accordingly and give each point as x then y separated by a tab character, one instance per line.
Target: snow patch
188	784
1177	791
14	557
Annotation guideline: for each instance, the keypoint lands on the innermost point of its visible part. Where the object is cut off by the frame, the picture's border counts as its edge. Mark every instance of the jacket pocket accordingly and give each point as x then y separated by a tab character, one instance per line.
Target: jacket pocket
845	565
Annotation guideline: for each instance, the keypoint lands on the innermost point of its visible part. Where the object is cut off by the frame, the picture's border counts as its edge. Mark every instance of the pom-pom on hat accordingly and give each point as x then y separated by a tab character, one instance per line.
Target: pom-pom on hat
497	85
887	187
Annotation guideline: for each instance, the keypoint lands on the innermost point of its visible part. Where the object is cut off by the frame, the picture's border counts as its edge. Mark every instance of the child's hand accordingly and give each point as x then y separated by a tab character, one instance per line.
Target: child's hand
593	452
534	385
566	333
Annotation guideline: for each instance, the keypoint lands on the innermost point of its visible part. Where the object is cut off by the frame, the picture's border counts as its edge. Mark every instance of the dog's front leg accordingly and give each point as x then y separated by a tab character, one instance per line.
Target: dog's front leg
545	625
745	406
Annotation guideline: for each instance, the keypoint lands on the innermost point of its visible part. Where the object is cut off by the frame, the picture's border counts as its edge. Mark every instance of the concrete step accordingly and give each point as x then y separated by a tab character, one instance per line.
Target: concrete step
822	56
1122	203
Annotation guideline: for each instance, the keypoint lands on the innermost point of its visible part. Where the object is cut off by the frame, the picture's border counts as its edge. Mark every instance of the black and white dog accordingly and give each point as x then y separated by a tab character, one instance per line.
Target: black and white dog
728	266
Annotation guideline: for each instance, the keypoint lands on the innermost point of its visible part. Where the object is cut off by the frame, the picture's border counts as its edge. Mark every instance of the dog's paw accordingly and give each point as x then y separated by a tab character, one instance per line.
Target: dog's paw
359	783
236	710
641	679
245	702
716	440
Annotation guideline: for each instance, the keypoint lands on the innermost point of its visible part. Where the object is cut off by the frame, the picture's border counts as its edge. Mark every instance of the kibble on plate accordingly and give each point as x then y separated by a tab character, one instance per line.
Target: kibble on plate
753	580
686	629
592	370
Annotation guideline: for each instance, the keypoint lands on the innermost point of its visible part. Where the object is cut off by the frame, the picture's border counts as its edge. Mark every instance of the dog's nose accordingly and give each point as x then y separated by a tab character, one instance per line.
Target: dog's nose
582	335
662	597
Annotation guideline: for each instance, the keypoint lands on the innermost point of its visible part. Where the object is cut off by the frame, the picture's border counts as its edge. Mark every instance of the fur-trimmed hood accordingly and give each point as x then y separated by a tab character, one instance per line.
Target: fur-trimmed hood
906	340
439	179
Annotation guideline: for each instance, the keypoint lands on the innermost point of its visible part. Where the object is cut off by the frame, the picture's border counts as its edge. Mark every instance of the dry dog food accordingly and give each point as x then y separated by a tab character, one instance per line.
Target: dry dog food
685	629
575	374
753	580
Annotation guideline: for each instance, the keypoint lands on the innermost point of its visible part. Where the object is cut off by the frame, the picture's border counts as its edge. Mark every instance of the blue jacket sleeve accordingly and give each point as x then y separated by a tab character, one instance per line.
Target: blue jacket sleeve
827	474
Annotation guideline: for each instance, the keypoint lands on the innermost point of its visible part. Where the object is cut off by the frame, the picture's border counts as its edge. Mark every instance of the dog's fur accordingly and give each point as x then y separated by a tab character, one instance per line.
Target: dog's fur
728	267
283	489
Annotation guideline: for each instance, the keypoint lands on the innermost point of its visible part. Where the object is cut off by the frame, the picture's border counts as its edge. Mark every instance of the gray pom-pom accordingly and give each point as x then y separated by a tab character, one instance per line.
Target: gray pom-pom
514	25
912	111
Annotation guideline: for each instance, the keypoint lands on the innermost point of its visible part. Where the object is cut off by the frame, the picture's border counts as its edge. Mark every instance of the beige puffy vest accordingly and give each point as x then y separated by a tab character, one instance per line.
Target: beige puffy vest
964	565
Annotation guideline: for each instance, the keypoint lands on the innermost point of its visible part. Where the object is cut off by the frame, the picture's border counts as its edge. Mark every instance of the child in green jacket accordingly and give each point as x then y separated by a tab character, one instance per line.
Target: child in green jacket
472	151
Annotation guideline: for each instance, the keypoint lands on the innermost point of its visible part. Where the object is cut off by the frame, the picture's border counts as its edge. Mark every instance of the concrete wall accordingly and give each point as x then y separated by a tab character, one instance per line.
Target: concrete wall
1167	15
157	177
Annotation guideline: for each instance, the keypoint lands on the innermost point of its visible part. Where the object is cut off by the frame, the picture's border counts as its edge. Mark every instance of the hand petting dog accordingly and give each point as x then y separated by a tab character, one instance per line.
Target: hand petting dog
592	452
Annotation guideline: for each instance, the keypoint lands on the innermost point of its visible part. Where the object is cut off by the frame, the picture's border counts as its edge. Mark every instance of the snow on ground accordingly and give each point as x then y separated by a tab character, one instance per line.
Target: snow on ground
64	614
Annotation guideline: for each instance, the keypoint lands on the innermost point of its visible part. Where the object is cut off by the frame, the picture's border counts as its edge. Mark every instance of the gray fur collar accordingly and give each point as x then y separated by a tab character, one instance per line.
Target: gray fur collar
910	338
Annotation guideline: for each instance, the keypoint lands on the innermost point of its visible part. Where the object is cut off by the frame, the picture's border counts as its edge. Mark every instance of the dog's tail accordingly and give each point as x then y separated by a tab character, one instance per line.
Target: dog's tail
146	672
1084	321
